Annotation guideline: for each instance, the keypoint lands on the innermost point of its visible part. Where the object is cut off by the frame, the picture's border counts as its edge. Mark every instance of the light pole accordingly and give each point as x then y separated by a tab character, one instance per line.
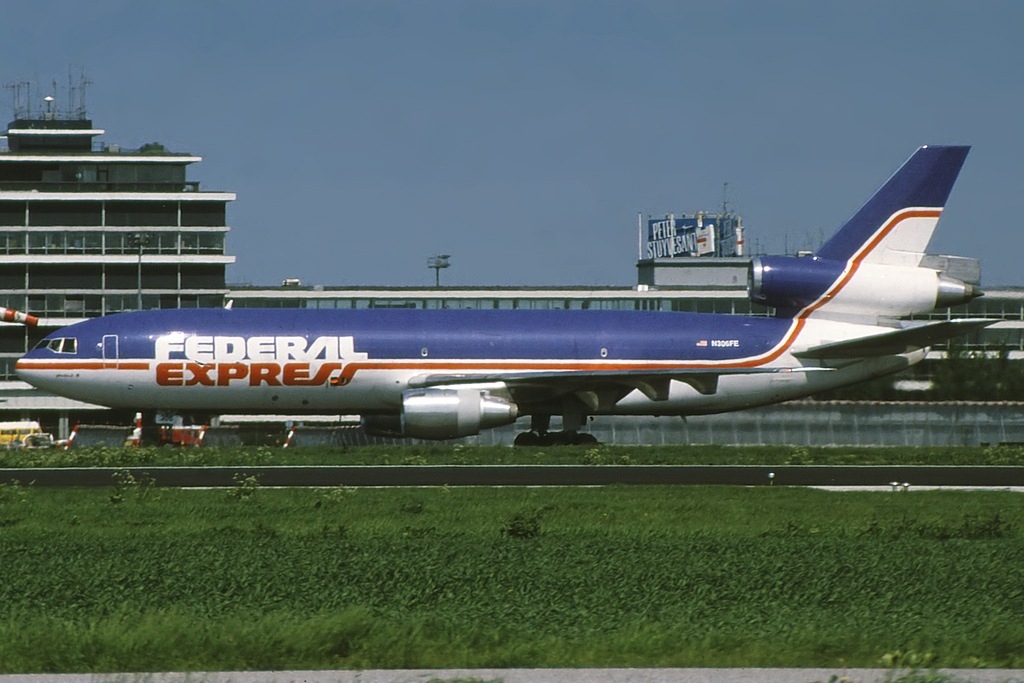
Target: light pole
437	262
139	240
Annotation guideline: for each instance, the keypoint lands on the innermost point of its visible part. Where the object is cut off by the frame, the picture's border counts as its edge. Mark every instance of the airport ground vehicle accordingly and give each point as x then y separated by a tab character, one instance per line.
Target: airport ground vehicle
25	434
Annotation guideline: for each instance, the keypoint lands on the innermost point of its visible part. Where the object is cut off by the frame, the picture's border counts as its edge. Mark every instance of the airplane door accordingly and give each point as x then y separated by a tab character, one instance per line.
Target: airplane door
109	350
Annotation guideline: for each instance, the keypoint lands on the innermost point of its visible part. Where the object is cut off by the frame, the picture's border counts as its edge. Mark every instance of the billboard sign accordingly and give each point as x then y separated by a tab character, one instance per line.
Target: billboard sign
700	235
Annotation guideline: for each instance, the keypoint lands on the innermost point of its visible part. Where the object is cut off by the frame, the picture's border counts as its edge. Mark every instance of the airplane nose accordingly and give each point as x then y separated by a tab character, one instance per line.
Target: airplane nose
22	369
28	371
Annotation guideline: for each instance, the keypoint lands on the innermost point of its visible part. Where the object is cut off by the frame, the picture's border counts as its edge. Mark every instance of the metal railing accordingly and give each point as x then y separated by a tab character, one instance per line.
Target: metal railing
79	186
815	423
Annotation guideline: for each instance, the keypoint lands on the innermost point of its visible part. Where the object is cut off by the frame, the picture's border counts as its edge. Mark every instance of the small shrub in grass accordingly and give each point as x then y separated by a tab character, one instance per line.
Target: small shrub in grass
246	487
522	525
334	496
127	484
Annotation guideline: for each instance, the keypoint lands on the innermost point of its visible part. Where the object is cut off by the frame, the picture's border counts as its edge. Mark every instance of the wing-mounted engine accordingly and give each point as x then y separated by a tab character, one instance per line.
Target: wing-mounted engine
439	413
793	285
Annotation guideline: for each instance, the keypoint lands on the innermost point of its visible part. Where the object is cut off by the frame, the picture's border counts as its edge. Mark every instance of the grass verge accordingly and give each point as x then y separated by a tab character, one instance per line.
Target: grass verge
303	579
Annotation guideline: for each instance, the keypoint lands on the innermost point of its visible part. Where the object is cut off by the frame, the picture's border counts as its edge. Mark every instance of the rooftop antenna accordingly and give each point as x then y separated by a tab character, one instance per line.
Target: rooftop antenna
76	94
20	97
725	198
437	262
73	98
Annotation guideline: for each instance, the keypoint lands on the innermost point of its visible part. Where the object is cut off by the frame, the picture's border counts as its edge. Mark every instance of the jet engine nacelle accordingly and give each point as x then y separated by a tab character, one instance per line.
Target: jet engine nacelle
791	283
443	414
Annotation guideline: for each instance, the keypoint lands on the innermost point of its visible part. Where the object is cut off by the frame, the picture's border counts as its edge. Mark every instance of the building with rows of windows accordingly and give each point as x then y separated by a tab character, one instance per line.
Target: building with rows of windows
87	230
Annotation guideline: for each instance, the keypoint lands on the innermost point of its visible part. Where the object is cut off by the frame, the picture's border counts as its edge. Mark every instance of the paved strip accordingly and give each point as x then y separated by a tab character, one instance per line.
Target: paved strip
703	675
531	475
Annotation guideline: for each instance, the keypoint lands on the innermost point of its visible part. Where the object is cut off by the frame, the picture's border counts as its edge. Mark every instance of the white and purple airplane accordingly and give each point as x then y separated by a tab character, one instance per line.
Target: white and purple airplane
441	374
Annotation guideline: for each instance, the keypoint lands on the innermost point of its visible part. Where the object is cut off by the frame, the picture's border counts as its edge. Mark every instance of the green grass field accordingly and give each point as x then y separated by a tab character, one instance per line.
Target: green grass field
413	454
142	579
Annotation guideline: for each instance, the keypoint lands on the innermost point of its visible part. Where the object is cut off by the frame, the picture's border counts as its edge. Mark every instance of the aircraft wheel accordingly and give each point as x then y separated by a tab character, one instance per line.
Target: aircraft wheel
555	439
528	439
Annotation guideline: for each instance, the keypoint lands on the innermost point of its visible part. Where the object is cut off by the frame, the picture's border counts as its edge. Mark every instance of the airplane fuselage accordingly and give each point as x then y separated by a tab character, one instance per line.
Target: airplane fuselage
312	361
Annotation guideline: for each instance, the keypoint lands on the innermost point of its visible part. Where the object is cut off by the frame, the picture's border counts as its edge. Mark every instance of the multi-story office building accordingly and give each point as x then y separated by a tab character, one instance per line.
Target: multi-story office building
88	230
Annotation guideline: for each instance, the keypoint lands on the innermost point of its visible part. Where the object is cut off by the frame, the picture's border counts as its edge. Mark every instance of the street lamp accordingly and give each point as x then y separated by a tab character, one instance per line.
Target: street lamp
437	262
139	240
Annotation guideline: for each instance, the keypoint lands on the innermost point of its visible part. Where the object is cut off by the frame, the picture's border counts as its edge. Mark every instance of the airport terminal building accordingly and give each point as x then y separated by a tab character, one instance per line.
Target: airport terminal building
89	229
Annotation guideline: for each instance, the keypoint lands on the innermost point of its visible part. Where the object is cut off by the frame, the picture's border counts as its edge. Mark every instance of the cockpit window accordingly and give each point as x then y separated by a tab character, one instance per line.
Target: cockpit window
60	345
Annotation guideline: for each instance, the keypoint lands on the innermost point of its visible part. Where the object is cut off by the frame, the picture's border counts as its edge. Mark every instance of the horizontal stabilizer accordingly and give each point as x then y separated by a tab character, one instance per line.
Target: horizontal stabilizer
896	342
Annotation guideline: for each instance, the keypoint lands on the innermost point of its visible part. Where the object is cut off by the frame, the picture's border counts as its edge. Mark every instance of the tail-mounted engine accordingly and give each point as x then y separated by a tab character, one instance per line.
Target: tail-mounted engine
443	414
791	284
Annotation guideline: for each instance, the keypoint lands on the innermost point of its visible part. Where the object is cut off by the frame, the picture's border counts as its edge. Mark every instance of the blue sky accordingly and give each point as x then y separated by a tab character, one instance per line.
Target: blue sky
524	137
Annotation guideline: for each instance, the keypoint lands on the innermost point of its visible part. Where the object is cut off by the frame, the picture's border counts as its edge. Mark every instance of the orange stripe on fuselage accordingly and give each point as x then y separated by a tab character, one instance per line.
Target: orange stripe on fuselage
29	364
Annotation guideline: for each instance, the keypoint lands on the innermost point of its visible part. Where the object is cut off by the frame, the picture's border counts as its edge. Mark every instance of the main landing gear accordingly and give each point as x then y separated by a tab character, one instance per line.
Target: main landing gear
569	436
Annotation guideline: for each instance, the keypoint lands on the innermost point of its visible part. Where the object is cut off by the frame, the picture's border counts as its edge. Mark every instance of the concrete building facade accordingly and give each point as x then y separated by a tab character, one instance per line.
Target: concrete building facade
88	230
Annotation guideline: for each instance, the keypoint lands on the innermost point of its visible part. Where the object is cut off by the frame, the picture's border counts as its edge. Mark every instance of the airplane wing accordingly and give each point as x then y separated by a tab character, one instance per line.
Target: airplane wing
897	341
600	389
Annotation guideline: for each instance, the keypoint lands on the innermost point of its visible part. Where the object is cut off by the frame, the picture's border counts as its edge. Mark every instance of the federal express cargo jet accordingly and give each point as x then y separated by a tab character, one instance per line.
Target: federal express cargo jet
440	374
